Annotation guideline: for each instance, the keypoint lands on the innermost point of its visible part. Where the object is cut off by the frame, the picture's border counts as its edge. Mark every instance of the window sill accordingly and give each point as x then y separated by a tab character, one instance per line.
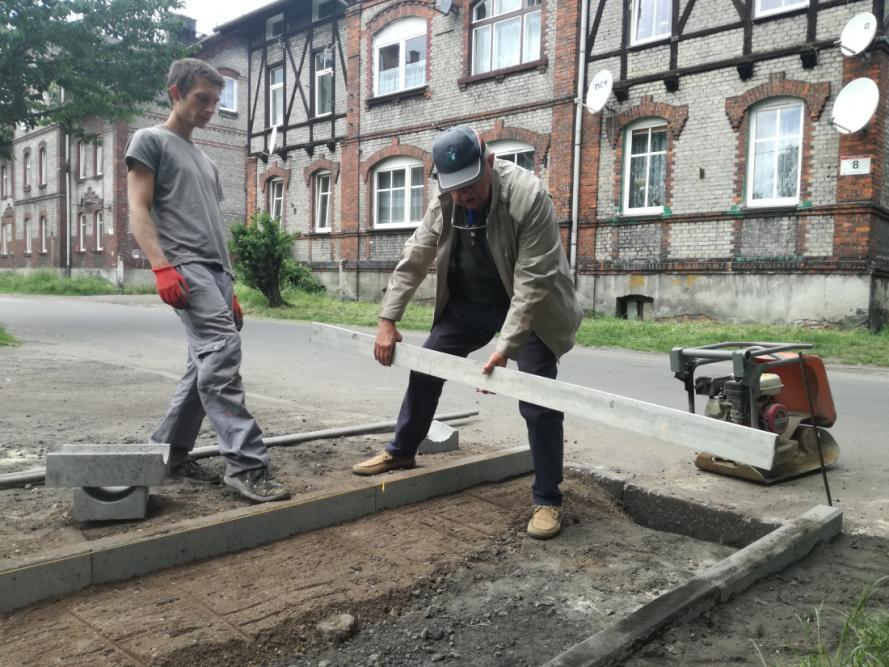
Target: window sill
646	216
99	175
323	232
781	13
770	208
396	227
228	113
397	97
27	254
98	252
500	74
42	186
651	41
26	188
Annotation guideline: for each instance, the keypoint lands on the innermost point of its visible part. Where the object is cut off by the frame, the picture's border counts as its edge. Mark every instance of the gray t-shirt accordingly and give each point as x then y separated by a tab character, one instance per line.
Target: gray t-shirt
187	193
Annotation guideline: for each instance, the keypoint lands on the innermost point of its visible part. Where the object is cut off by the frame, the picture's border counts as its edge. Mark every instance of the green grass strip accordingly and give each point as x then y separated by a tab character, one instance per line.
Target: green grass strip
836	345
48	282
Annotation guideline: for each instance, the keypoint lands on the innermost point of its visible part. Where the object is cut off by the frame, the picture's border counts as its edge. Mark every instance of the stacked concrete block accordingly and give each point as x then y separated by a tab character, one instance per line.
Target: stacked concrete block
111	481
440	438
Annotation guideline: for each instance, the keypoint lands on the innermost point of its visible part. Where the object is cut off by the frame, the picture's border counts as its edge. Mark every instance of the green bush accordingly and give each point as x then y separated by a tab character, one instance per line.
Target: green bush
299	276
260	251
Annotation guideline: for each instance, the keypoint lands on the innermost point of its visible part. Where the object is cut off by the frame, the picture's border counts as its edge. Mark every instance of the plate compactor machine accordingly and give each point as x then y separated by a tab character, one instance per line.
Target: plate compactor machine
773	387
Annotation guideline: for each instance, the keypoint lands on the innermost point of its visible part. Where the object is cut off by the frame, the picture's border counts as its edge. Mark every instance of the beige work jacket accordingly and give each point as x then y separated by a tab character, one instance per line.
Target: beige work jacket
527	250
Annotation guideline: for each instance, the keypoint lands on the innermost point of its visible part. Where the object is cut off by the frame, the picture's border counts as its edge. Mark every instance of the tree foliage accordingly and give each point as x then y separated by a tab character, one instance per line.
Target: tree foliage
110	58
261	251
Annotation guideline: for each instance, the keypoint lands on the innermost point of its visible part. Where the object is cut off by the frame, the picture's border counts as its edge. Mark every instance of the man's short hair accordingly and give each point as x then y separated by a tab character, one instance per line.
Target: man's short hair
184	74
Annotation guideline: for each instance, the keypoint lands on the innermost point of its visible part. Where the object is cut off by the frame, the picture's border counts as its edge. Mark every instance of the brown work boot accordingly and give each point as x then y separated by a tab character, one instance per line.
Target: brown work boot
382	462
546	522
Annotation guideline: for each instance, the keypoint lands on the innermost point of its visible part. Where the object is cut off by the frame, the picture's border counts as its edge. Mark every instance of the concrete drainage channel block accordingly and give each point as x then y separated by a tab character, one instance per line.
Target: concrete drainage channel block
113	480
769	554
440	438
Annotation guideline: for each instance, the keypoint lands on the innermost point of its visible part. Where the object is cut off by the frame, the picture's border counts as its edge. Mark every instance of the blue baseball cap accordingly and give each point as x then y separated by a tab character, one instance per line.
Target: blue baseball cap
458	154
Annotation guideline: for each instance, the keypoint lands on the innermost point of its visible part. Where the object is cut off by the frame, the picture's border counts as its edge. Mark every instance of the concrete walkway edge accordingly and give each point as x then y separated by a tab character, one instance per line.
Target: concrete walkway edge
121	557
732	575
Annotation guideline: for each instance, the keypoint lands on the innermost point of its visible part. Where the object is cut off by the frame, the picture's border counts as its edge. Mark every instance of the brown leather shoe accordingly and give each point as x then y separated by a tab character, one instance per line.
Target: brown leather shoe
546	522
382	462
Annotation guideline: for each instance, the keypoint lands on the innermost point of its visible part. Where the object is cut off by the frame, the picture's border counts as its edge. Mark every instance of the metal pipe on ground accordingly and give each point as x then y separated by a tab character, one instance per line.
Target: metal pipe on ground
16	479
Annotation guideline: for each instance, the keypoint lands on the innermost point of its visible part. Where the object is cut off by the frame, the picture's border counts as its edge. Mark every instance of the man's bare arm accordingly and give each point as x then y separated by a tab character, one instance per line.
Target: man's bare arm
140	195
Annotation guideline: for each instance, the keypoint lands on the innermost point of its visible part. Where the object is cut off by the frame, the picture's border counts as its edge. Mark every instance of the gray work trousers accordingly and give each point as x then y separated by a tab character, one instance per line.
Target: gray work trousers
212	383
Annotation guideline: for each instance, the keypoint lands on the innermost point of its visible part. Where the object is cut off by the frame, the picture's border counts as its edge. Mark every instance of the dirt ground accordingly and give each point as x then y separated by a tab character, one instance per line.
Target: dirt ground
454	580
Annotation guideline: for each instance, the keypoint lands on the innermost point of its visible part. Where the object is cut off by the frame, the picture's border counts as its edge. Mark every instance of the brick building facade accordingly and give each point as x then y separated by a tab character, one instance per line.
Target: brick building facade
741	213
709	185
87	233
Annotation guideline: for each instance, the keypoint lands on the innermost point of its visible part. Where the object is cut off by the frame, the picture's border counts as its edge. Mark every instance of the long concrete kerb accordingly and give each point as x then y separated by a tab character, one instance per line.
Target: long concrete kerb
120	557
734	574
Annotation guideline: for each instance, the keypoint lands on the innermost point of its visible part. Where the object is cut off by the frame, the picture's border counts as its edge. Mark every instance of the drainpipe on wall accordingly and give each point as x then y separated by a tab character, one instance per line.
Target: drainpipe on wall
67	204
579	110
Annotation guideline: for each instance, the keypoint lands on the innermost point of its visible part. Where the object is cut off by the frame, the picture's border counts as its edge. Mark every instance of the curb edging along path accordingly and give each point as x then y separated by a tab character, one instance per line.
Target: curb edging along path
116	558
730	576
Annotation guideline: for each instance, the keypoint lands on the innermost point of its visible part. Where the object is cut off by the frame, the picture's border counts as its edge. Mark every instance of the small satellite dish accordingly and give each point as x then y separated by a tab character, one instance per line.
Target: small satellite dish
273	141
855	105
599	90
858	34
444	6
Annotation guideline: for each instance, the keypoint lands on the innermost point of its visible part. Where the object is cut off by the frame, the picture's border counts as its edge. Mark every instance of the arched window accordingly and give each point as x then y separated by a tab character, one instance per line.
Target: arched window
42	233
41	166
774	154
504	33
400	56
28	236
276	198
99	225
517	152
398	193
81	229
321	184
645	167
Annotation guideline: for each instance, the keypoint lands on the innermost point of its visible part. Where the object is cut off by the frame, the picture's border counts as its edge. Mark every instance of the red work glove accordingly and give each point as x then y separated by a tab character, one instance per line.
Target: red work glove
171	286
237	312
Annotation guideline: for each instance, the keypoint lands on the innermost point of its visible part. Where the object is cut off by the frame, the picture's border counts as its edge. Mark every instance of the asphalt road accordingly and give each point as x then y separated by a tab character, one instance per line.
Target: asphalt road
281	365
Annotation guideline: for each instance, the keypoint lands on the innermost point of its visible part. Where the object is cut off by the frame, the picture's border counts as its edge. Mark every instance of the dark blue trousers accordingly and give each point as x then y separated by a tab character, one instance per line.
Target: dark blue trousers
464	328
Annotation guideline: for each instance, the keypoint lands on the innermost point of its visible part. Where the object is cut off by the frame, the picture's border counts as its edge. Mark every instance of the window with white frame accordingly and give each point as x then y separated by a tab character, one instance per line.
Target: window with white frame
5	238
42	232
81	160
324	82
274	26
775	153
322	9
28	235
322	201
652	20
516	152
400	56
228	98
276	198
276	95
99	226
398	193
100	158
81	232
768	7
4	181
41	166
26	169
504	33
645	168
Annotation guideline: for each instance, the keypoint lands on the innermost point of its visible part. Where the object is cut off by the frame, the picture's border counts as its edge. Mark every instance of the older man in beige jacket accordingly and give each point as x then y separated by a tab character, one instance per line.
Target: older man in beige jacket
500	267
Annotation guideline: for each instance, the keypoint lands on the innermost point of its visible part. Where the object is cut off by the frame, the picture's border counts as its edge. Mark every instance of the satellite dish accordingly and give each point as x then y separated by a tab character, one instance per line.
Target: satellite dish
855	105
599	90
444	6
274	140
858	34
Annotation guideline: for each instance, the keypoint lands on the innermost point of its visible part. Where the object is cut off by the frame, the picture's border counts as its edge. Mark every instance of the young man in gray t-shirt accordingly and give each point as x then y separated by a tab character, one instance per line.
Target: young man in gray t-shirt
174	193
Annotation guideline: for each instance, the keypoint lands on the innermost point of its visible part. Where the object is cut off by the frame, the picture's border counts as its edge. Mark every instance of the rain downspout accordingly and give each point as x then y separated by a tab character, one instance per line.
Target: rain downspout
578	125
67	204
